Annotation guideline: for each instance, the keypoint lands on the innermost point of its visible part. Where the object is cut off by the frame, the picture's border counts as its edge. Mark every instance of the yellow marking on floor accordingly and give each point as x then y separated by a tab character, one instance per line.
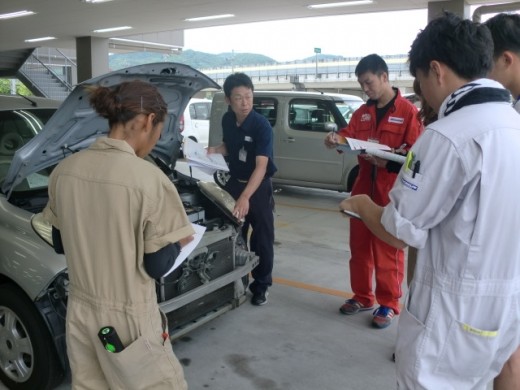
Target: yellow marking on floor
312	287
280	224
297	206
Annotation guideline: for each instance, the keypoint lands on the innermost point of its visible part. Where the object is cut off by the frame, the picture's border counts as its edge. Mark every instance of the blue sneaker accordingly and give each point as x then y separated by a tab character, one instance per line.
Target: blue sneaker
383	317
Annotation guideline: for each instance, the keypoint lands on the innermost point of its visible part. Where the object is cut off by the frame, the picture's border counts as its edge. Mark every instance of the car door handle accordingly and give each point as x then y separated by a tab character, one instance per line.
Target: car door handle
290	139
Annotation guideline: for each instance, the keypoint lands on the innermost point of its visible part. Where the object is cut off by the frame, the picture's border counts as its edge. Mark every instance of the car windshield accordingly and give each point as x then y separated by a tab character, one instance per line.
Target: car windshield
347	108
17	127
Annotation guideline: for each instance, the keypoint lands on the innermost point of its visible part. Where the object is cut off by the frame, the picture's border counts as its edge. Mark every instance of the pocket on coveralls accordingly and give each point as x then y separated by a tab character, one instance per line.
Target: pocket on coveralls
135	366
467	351
410	332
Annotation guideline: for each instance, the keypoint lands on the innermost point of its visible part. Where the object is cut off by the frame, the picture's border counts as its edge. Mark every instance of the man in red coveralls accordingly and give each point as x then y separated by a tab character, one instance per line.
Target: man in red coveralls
389	119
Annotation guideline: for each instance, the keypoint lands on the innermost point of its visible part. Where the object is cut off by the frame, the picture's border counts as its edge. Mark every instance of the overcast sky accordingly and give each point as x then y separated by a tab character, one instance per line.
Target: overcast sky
346	35
287	40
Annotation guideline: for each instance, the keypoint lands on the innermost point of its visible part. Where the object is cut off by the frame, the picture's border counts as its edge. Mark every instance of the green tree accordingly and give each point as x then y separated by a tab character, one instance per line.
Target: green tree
5	87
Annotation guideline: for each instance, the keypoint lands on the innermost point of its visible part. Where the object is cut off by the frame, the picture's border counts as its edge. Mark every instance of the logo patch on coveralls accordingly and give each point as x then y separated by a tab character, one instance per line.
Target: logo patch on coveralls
366	117
395	119
406	183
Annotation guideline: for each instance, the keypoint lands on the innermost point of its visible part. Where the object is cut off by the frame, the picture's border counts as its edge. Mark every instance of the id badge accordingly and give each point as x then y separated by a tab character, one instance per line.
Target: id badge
242	155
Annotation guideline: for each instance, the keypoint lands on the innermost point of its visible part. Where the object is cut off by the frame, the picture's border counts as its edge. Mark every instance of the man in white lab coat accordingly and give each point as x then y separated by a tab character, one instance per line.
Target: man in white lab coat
505	30
456	199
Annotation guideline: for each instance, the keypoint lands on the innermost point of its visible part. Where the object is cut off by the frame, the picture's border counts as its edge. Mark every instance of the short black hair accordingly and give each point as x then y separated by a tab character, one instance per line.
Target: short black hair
464	46
505	29
371	63
237	79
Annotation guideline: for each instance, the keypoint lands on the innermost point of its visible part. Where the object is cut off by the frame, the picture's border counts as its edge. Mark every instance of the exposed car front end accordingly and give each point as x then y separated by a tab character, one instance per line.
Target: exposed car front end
33	278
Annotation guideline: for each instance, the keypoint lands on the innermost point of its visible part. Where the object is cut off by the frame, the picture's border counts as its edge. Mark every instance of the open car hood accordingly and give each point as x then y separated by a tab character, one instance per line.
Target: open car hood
75	125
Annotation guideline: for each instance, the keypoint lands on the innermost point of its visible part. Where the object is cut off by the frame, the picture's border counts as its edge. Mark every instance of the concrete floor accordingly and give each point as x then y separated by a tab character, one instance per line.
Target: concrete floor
299	340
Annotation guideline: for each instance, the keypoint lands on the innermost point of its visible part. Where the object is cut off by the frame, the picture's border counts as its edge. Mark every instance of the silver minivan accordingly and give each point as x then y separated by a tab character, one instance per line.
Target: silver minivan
299	121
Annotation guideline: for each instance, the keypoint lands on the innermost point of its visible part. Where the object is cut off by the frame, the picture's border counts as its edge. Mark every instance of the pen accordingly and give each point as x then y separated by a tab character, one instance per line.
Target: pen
400	148
416	168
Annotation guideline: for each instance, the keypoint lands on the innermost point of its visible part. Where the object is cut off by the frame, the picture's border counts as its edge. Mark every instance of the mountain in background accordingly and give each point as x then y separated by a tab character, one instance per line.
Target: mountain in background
200	60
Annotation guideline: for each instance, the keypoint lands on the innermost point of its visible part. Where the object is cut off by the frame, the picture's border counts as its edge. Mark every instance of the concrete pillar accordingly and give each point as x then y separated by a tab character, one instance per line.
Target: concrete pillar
91	57
458	7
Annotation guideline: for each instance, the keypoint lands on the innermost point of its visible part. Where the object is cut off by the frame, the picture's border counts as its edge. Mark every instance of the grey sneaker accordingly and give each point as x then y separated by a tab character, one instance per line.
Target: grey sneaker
351	306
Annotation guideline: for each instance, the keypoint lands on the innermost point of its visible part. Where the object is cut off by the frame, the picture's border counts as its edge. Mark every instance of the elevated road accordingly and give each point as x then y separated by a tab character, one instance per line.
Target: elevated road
325	75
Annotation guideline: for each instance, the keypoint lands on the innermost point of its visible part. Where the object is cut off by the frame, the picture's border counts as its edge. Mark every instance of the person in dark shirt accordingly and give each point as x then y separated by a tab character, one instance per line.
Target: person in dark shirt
248	145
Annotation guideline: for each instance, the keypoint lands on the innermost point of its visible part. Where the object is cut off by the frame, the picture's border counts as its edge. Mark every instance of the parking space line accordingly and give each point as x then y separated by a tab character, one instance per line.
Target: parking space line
312	287
318	289
296	206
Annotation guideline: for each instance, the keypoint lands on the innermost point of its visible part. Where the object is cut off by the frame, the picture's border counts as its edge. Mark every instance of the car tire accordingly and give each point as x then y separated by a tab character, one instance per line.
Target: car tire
352	176
28	358
221	178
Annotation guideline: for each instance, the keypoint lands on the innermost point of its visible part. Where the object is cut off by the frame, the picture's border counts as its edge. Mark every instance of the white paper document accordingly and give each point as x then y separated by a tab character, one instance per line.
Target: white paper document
383	151
353	144
399	158
187	249
197	156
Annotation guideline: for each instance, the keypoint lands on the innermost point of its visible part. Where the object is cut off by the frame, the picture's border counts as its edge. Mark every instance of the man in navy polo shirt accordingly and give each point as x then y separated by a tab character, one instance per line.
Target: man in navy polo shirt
248	144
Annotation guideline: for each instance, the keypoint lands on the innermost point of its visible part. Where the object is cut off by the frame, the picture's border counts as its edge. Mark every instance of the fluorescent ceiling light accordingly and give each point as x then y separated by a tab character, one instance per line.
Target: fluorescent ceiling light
95	1
40	39
209	17
148	43
16	14
110	29
340	4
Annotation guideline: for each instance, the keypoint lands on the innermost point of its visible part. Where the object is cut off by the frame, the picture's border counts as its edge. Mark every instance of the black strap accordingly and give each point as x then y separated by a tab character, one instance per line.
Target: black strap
478	96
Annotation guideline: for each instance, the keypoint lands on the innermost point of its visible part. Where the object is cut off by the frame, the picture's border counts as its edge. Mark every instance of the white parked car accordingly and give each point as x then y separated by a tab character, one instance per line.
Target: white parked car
194	123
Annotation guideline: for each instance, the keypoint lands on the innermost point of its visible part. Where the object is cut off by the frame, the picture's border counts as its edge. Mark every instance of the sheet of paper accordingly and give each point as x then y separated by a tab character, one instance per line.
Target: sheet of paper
357	144
197	156
399	158
187	249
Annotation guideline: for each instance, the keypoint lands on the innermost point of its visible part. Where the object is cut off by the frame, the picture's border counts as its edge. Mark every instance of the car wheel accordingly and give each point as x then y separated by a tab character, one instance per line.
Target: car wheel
221	178
192	138
352	176
28	358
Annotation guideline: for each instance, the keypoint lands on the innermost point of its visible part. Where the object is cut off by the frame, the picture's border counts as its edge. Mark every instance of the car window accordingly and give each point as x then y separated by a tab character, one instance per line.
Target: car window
17	127
200	111
347	108
309	114
268	107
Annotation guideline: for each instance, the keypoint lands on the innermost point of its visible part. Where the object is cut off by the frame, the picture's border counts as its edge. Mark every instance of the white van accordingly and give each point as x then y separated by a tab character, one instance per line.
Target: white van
194	123
299	124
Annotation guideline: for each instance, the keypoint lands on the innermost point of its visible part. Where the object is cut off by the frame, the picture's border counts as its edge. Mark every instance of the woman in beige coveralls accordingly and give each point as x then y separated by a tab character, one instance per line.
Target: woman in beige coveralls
121	223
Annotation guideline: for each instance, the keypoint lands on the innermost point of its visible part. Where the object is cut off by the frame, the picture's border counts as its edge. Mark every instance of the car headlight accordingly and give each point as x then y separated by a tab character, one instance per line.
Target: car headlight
42	228
220	198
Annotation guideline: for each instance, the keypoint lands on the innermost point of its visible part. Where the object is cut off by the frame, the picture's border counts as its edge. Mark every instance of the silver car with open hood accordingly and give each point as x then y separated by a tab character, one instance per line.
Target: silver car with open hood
33	278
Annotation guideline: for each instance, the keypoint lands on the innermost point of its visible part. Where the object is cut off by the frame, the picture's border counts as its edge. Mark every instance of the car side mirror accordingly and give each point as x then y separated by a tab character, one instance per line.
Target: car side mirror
330	127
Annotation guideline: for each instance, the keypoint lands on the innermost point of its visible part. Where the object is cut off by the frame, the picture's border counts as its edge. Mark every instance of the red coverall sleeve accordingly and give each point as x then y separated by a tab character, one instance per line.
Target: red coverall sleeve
413	130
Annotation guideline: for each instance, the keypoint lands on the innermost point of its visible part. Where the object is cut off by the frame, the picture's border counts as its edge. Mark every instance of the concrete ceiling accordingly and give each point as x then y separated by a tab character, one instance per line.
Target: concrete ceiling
68	19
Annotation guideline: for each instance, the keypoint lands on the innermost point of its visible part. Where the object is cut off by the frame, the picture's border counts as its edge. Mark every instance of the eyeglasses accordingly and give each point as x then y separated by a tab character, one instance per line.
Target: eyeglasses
241	98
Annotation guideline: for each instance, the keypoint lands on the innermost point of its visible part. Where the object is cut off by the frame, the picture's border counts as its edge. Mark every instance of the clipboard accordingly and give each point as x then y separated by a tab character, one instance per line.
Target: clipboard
351	214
